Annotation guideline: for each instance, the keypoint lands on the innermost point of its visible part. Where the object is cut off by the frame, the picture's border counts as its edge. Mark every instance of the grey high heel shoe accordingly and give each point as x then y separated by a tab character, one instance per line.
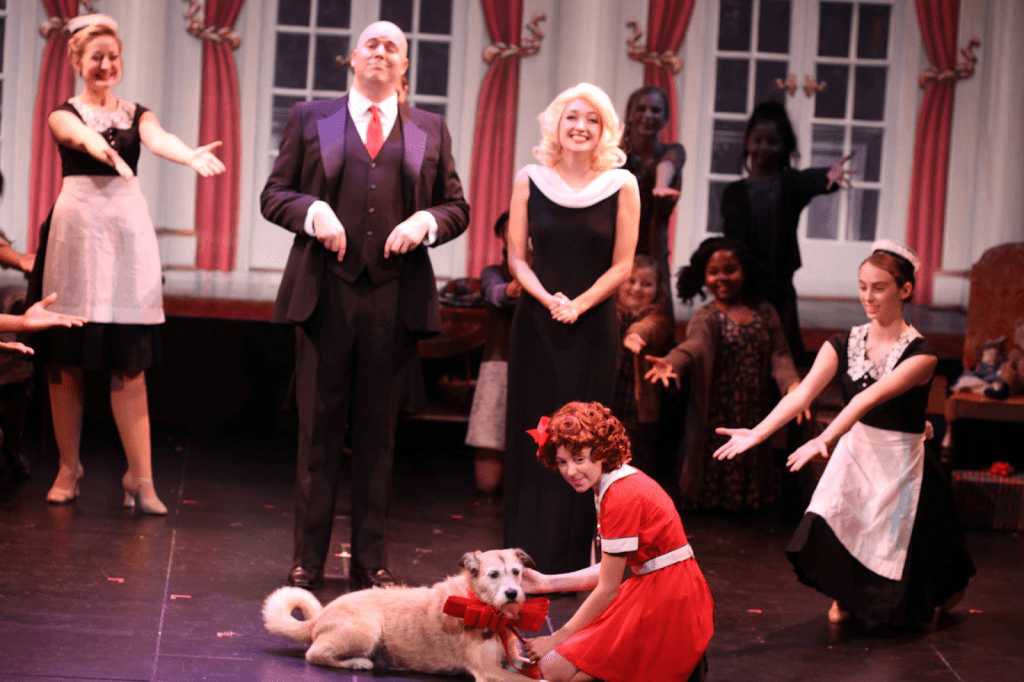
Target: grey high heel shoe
138	494
65	486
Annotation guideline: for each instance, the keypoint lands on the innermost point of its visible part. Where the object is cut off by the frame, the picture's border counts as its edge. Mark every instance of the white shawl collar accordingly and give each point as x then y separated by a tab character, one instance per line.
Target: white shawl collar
607	479
557	190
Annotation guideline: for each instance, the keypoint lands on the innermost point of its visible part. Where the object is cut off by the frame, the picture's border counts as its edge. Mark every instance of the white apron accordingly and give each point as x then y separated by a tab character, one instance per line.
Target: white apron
868	495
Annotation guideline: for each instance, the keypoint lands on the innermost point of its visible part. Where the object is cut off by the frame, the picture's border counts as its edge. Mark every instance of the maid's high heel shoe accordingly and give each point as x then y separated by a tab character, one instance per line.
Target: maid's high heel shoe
139	492
65	486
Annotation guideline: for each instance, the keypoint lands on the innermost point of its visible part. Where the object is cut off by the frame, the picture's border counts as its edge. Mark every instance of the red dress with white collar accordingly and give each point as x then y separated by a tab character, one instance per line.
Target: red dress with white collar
660	624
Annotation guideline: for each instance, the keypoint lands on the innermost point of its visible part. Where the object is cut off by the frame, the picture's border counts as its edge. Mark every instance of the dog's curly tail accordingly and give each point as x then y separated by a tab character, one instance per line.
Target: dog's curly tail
278	618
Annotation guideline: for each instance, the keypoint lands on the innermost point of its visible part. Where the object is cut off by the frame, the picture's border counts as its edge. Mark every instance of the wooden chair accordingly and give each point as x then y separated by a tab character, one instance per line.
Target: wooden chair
996	302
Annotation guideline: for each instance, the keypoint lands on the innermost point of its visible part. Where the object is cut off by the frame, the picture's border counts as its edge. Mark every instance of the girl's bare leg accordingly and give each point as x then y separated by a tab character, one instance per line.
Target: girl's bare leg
66	398
130	405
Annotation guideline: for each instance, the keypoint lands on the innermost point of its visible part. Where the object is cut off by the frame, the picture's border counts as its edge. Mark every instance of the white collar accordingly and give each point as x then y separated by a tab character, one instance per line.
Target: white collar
610	477
359	104
859	366
551	184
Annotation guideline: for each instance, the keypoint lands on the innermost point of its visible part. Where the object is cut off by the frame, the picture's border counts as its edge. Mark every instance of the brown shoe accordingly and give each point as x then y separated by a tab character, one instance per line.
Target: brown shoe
379	578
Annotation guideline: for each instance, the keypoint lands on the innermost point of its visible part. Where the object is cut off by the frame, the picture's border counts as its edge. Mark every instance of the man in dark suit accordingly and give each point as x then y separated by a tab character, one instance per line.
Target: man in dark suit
366	184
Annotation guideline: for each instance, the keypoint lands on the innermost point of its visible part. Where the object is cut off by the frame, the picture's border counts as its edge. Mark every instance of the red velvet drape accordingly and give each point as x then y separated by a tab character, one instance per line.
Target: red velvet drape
217	198
495	137
667	21
56	85
927	210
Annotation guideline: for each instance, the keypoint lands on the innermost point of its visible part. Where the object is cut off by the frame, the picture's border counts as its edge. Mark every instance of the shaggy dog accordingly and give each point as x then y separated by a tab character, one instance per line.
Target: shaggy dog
405	628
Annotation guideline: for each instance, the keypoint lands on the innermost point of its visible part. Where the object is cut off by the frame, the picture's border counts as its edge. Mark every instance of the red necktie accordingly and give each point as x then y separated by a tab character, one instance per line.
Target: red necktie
374	132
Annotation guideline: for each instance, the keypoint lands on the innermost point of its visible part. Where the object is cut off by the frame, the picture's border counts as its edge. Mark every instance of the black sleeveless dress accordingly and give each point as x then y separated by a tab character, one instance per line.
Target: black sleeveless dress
550	364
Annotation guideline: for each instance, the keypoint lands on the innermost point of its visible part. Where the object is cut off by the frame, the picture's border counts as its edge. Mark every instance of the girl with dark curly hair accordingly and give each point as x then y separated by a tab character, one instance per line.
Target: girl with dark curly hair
733	346
657	623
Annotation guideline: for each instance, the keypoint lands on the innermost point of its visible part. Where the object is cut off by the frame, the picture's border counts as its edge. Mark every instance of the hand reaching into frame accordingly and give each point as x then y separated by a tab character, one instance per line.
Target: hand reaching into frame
661	370
204	161
812	449
37	317
837	175
634	343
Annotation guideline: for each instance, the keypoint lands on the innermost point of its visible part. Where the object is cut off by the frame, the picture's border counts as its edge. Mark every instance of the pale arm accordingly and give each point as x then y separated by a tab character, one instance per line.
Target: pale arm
535	582
792	404
627	224
663	173
518	235
911	372
610	572
170	147
69	131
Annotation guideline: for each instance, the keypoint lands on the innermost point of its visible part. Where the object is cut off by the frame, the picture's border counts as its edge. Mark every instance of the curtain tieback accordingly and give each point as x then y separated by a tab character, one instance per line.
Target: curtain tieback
531	44
963	70
194	25
637	52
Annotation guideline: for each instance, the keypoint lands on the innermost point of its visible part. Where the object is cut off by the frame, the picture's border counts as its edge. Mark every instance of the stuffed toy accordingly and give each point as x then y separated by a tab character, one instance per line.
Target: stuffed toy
1012	371
985	378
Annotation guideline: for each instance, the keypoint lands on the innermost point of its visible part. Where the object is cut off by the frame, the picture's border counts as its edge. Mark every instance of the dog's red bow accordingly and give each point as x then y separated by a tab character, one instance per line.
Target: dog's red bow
478	614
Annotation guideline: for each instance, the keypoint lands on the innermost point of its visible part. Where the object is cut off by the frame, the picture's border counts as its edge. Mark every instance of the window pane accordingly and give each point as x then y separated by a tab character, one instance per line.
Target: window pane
873	32
333	13
834	23
826	144
866	147
279	116
823	217
398	12
3	4
328	74
436	16
715	192
764	81
734	20
293	12
863	214
432	68
727	146
434	107
773	31
869	93
831	102
731	85
291	61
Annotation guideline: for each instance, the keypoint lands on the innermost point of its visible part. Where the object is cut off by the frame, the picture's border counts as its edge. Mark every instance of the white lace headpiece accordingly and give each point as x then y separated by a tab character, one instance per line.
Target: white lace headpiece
76	24
893	249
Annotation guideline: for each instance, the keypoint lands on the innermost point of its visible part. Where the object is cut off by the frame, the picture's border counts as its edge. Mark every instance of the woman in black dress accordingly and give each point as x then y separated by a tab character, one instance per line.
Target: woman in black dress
581	213
658	167
880	536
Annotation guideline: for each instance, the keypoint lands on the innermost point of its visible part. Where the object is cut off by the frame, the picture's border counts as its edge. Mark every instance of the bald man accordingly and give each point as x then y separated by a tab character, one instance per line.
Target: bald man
366	184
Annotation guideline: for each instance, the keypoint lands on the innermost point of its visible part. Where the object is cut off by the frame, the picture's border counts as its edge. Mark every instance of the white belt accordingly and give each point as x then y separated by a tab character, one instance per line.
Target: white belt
667	559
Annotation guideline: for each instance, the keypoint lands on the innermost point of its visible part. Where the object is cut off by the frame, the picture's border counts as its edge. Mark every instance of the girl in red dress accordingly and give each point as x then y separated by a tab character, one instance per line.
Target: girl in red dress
656	624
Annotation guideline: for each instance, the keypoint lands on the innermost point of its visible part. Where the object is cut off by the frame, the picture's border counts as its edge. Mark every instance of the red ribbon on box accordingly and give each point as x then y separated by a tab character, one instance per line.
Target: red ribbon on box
1001	469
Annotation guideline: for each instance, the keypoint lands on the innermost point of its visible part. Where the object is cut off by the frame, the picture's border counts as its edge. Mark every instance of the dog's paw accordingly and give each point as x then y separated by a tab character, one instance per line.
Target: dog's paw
356	664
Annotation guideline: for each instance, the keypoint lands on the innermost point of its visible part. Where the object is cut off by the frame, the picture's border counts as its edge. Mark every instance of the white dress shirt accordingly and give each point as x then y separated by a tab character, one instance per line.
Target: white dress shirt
359	109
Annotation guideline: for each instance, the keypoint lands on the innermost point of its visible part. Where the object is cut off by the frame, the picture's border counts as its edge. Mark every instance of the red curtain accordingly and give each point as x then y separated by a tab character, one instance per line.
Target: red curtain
217	198
667	21
56	85
927	210
495	137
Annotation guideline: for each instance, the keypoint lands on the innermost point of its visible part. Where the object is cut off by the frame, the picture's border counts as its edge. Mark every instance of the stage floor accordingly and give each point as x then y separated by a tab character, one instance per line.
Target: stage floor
90	592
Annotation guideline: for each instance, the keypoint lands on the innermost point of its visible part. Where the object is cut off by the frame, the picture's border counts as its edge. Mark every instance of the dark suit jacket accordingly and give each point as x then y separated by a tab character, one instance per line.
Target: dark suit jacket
309	168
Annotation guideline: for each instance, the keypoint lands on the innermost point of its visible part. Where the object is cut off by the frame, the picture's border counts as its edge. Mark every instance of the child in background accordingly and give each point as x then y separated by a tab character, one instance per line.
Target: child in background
733	346
486	431
763	209
645	329
656	624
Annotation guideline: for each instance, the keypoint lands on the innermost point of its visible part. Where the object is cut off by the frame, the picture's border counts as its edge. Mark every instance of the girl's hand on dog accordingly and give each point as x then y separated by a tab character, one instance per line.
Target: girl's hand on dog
539	647
535	582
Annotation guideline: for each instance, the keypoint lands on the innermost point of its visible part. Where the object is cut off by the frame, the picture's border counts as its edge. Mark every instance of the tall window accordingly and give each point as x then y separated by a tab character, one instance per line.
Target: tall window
830	63
428	27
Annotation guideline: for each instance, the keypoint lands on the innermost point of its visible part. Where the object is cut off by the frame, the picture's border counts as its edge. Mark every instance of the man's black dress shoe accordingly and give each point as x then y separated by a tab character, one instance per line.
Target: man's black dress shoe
379	578
301	577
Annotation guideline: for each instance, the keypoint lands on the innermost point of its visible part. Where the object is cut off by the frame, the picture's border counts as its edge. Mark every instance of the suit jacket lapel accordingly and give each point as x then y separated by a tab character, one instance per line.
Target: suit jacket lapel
331	131
414	140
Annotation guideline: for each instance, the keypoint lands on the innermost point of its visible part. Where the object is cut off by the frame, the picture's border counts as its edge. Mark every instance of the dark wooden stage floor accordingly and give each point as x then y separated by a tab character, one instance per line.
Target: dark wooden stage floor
90	592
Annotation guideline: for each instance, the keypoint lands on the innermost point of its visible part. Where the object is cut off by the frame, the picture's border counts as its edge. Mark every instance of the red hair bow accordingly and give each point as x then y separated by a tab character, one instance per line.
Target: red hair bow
540	434
478	614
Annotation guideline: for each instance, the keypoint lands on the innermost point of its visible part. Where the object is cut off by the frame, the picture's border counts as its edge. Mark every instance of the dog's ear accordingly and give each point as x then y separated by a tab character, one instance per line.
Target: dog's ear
471	562
525	558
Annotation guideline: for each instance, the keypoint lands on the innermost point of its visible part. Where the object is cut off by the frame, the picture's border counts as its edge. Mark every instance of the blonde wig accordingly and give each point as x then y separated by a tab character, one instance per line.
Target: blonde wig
606	154
83	30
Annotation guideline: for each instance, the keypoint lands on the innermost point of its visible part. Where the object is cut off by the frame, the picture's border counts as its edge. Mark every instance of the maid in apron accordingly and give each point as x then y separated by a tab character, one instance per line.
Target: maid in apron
98	252
880	535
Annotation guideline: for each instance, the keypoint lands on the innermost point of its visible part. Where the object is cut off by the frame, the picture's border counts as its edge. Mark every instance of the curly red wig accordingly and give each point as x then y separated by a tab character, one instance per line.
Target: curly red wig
577	426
